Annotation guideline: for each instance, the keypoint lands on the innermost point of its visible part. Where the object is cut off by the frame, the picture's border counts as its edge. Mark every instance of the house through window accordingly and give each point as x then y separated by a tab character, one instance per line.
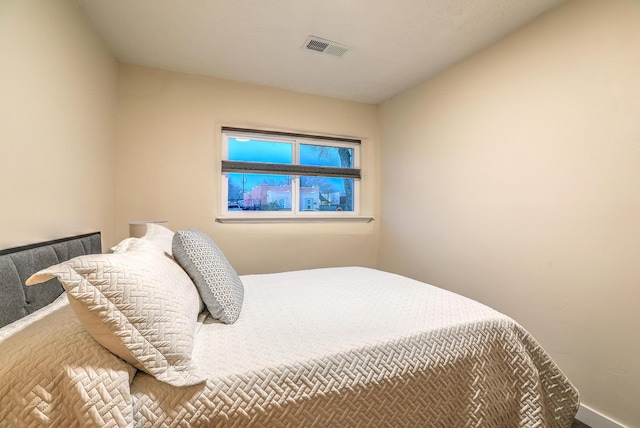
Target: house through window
286	174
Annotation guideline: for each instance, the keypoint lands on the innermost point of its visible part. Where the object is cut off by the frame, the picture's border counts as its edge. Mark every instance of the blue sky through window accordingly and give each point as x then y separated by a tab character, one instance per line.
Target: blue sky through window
253	150
260	151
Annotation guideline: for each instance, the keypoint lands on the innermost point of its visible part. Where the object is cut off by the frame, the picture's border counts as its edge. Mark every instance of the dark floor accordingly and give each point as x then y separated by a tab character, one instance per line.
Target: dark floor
577	424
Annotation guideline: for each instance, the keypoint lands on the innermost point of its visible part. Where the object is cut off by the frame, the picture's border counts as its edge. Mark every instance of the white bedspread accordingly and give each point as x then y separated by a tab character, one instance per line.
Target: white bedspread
54	374
359	347
328	347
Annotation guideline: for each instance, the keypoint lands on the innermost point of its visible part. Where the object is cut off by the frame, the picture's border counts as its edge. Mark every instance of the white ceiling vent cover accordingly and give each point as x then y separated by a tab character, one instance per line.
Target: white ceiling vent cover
325	46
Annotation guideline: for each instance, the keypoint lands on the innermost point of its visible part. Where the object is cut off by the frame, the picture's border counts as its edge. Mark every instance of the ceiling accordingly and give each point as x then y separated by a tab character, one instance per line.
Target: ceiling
393	44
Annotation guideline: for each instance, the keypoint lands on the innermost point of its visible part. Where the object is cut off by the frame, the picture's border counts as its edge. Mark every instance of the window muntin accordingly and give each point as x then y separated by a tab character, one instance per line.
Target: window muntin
289	174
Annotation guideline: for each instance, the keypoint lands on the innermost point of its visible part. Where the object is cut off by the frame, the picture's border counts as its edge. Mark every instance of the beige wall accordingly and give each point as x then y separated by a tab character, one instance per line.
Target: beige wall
57	106
514	179
168	165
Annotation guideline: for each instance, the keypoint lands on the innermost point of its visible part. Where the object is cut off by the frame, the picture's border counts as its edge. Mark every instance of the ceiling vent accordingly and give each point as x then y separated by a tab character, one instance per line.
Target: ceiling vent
325	46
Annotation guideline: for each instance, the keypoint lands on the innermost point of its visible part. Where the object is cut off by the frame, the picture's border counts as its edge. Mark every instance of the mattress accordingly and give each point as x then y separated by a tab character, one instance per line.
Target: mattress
326	347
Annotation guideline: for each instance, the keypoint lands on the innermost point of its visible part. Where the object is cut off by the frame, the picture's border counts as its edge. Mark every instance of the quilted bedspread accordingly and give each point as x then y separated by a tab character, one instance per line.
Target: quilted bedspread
54	374
327	347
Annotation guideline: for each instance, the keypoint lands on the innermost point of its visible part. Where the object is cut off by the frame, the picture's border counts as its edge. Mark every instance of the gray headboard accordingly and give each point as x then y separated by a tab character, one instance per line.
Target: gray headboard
18	264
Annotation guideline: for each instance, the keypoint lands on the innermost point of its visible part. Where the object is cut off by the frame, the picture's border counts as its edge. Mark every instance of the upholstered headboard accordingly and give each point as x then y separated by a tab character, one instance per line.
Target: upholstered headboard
18	264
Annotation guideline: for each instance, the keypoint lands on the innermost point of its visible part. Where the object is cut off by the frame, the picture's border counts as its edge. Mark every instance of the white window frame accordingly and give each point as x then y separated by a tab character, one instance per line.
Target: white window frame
295	213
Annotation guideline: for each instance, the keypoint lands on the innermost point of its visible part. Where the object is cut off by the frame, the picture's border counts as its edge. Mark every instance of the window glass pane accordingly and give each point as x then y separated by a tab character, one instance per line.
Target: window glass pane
259	192
326	194
326	156
250	150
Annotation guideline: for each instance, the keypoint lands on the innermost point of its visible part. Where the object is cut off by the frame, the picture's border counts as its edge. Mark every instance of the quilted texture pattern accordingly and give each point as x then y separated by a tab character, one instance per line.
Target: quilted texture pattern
55	374
218	283
139	304
328	347
358	347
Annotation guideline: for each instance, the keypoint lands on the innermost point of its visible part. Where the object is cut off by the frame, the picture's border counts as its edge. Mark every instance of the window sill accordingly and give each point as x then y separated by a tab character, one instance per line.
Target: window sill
300	219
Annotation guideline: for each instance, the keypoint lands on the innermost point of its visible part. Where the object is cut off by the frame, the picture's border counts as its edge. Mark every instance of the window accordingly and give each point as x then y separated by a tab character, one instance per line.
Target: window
280	174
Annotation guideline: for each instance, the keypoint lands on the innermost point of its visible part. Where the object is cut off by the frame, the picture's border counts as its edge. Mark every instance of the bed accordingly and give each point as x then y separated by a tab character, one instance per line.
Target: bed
336	347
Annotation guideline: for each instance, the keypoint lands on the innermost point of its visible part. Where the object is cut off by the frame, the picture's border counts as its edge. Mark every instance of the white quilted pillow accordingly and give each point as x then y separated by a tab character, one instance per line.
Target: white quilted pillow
138	303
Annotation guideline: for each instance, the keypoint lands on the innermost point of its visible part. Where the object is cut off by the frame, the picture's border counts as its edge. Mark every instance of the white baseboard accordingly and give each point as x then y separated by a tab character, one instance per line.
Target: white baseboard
595	419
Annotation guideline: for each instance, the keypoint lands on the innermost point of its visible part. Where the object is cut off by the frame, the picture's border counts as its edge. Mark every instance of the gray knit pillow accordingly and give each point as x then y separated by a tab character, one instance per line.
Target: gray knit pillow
219	285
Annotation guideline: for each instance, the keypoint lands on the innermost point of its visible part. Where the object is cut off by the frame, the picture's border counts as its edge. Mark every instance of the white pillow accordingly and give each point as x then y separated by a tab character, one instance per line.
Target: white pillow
137	303
159	235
